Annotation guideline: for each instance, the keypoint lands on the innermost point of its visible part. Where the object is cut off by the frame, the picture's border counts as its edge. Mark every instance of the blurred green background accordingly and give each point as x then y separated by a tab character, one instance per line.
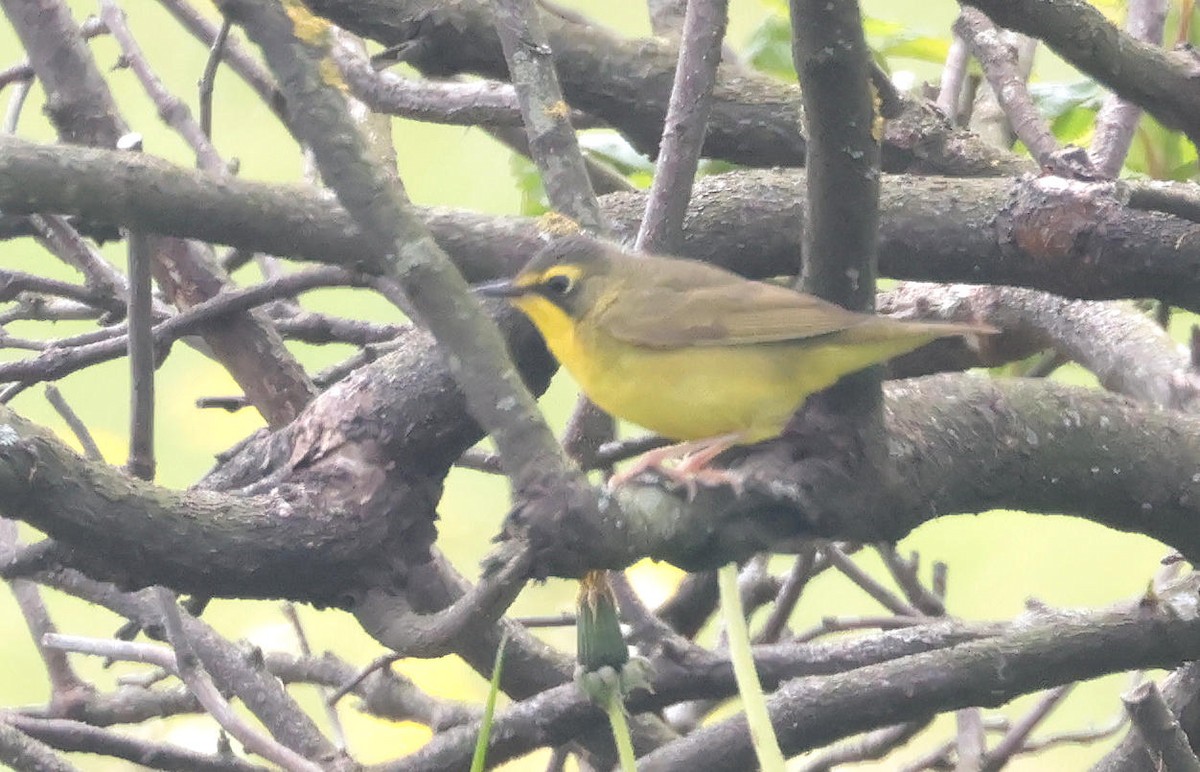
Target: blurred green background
997	561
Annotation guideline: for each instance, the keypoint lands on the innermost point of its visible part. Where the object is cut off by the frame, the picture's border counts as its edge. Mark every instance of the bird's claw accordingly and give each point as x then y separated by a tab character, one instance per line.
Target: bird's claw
688	479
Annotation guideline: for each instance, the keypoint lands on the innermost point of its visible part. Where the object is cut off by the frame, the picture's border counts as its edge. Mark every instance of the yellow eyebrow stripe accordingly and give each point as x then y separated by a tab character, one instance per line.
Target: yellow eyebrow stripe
572	272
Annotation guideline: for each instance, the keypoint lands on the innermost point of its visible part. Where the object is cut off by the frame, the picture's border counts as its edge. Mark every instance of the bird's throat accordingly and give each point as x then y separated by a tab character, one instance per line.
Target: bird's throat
556	327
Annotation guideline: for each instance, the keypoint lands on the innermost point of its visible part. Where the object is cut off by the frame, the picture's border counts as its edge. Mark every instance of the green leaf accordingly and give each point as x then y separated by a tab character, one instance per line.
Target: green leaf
534	201
616	151
1074	125
924	48
769	49
890	39
1160	153
1056	98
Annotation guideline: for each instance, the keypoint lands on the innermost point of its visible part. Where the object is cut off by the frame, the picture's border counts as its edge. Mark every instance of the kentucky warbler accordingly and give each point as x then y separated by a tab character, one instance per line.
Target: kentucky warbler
692	351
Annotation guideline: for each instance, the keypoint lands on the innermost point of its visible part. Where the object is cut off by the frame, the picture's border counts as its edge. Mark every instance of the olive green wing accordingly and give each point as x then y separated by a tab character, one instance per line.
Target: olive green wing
736	313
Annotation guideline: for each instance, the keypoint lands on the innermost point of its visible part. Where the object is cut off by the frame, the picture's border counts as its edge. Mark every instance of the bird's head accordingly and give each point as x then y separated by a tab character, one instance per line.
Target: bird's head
567	278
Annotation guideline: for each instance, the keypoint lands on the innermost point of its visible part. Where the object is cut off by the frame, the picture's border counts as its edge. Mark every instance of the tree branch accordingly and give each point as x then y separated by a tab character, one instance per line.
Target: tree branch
946	664
626	83
745	221
23	752
810	712
994	443
1163	83
84	112
1118	118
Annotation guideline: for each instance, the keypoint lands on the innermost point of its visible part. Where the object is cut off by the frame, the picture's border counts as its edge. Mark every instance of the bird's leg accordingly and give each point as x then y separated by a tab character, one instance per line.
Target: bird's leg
654	459
696	455
697	460
694	467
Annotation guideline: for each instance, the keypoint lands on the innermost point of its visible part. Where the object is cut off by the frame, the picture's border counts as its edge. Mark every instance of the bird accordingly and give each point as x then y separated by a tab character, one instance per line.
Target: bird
693	352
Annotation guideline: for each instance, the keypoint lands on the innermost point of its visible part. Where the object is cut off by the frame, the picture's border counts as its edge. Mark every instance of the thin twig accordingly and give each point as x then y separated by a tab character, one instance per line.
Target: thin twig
1117	120
16	103
331	712
684	126
480	460
57	363
379	663
66	687
1018	736
233	53
91	450
842	624
61	239
481	103
565	619
954	76
854	573
646	629
191	672
141	461
198	682
13	283
970	738
1000	67
905	572
171	109
1080	737
68	735
802	570
870	746
209	76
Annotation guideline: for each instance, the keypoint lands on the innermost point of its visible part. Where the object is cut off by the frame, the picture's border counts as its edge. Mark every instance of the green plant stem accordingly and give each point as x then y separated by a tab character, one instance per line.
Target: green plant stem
489	710
766	746
615	707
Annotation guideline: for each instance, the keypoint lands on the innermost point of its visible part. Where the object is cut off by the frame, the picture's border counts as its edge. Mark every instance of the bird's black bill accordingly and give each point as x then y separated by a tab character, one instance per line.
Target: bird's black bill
500	289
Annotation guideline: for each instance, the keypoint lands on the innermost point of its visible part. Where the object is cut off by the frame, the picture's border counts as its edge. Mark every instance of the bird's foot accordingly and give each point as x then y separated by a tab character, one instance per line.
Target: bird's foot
708	477
693	468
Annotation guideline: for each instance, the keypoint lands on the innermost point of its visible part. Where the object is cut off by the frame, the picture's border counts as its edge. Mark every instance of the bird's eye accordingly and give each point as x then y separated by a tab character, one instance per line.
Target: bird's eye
559	285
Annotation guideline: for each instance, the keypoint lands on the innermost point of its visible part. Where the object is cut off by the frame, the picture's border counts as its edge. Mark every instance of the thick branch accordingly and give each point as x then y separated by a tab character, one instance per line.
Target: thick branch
627	83
947	664
324	513
959	444
80	737
190	540
1123	347
841	217
840	238
24	752
811	712
1072	238
995	444
1180	690
557	715
1159	728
